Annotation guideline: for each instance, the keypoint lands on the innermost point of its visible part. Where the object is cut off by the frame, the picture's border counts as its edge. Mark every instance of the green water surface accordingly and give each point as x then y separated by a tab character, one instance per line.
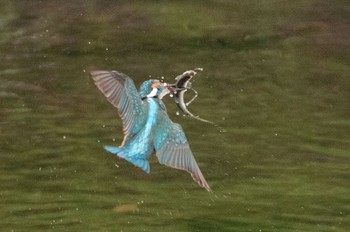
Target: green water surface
276	80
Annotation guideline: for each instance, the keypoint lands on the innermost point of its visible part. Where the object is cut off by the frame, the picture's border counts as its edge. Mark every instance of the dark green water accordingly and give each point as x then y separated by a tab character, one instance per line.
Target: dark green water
276	79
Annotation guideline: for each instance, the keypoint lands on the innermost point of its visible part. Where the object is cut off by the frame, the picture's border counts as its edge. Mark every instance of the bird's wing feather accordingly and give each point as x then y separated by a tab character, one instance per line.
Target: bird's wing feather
173	150
121	92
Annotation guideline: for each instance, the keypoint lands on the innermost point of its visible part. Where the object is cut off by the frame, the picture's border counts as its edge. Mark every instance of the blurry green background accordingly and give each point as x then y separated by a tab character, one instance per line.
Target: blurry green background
276	80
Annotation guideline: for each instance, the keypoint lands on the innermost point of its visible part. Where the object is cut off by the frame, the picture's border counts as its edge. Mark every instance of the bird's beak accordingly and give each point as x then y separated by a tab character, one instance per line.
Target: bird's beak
164	92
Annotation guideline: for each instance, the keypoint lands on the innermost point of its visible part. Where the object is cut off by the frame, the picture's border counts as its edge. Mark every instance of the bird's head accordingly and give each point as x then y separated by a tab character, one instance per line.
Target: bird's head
153	88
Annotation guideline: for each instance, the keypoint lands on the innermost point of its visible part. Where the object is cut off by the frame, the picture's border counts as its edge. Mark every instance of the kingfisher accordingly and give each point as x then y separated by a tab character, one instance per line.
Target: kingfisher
146	125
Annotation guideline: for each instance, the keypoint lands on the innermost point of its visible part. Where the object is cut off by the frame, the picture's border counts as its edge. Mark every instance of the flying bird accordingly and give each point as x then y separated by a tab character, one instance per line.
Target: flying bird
146	125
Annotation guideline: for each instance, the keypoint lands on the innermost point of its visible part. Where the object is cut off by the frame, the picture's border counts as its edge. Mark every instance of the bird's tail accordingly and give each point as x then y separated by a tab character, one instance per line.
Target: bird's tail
123	153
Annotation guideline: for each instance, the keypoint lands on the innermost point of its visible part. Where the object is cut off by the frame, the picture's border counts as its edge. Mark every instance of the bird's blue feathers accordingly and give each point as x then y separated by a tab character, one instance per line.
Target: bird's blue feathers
135	160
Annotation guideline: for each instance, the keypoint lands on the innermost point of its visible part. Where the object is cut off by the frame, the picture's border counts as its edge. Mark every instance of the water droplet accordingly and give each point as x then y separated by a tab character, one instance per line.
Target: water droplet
64	137
89	42
177	113
106	49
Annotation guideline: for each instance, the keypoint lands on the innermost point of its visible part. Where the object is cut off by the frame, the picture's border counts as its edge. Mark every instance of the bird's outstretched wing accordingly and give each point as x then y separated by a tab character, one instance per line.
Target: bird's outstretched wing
120	90
173	150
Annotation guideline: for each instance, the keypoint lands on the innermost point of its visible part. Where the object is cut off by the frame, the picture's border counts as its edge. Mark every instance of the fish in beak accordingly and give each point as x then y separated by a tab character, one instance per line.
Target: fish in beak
179	89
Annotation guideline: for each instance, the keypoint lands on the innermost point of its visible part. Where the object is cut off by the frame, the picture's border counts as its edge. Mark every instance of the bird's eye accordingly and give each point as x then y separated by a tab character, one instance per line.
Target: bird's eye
155	85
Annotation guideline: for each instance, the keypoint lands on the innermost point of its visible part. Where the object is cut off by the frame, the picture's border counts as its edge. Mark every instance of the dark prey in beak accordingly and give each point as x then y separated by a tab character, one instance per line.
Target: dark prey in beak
183	83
